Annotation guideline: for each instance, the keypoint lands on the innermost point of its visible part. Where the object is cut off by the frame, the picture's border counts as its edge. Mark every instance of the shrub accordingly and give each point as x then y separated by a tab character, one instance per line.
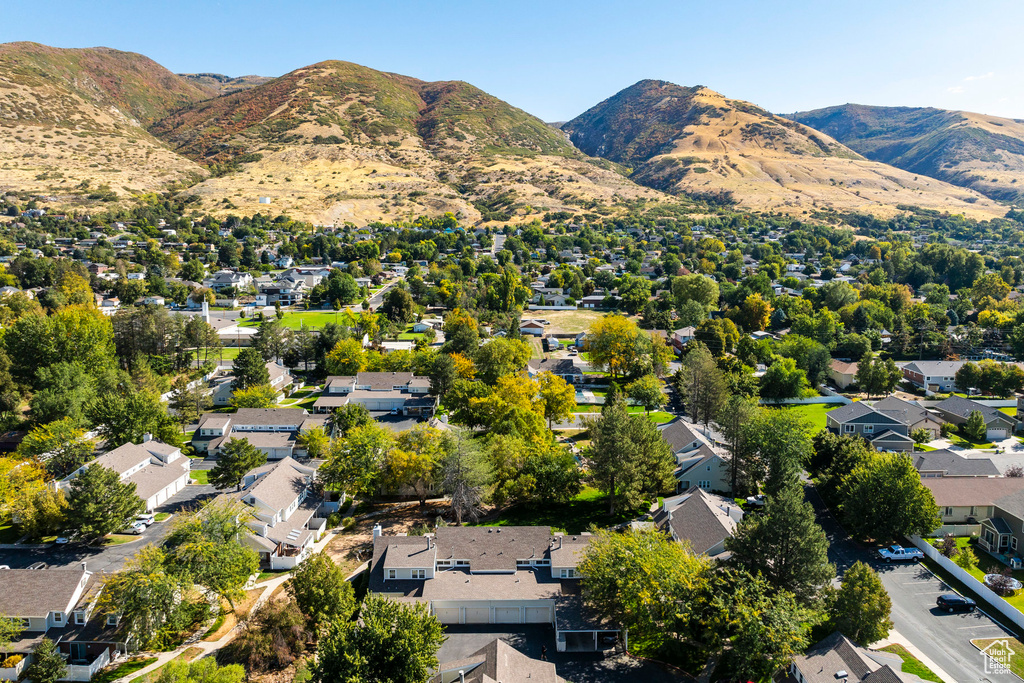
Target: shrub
272	638
348	523
333	520
11	662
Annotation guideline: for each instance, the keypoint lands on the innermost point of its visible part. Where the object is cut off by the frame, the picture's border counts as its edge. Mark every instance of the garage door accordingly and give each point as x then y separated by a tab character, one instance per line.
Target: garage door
447	615
507	615
538	615
478	615
996	434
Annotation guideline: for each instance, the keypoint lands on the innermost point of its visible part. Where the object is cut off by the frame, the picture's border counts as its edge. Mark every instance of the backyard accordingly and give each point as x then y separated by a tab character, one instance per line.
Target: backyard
297	319
589	507
813	414
988	565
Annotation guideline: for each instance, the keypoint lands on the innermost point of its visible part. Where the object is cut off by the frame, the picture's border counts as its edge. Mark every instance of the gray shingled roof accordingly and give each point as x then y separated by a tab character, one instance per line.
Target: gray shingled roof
954	465
37	592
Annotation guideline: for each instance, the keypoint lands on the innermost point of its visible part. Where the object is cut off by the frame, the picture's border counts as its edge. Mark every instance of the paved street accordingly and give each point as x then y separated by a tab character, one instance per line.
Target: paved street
111	558
945	638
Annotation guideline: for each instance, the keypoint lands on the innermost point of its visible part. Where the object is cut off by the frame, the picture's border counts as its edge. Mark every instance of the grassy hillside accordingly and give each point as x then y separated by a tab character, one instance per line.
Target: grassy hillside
72	123
219	84
338	141
985	153
694	141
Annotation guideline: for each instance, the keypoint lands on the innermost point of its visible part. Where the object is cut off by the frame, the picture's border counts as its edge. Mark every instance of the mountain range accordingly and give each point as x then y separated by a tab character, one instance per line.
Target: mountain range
336	141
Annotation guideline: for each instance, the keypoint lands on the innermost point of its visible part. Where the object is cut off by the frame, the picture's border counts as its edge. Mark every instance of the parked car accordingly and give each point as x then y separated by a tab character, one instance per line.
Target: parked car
396	411
138	528
951	602
63	540
756	501
146	518
897	553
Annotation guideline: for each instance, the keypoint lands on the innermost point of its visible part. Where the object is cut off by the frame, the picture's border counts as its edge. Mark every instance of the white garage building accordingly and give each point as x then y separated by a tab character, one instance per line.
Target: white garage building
493	575
157	469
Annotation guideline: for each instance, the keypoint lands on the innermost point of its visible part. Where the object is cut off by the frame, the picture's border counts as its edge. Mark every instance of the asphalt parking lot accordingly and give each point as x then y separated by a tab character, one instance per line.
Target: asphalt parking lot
111	558
576	667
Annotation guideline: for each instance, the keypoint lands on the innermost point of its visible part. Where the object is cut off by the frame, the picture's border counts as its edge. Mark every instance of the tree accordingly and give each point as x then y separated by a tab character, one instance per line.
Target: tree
921	435
731	421
254	396
876	376
272	339
272	638
188	402
399	306
462	478
10	628
777	449
755	313
314	440
207	547
501	357
391	641
770	628
617	345
443	374
203	670
628	457
355	463
861	607
883	498
557	396
413	462
702	384
346	358
783	380
127	415
350	416
99	503
974	428
785	544
145	597
647	392
249	369
649	584
60	446
319	588
697	288
41	511
48	664
236	459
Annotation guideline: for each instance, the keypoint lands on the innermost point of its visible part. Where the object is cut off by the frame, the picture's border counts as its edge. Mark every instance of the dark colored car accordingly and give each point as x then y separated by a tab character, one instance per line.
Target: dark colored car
951	602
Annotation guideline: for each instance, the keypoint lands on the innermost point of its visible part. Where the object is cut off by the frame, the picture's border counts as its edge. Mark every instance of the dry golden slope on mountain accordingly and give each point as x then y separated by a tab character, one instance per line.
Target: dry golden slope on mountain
695	141
337	141
72	123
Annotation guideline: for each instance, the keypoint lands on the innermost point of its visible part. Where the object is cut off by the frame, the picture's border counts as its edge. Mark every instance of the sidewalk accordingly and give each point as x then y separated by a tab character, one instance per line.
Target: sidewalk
207	647
895	637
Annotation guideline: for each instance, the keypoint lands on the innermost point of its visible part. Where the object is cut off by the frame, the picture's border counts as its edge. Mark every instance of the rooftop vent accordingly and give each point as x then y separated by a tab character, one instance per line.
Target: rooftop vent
841	675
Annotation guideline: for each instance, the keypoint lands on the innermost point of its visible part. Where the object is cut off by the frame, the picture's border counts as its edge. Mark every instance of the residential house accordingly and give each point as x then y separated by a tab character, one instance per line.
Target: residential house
706	468
936	376
957	409
531	327
223	279
404	392
836	659
883	431
947	463
911	414
996	502
842	373
497	661
701	520
272	430
562	367
281	380
428	324
157	469
59	604
284	512
682	437
682	337
493	575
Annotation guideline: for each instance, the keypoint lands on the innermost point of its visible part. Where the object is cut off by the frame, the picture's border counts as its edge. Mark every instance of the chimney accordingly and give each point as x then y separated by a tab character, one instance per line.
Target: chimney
84	568
428	541
206	311
462	676
377	531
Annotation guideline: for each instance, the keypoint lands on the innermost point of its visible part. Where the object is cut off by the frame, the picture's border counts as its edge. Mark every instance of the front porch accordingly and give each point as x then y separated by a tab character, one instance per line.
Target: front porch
998	540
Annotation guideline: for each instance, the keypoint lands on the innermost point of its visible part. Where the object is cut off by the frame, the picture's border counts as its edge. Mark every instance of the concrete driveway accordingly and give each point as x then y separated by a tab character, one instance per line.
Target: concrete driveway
111	558
576	667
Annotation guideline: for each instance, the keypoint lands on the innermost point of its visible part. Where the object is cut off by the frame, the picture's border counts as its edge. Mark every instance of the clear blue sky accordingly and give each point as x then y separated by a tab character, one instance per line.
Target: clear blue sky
557	58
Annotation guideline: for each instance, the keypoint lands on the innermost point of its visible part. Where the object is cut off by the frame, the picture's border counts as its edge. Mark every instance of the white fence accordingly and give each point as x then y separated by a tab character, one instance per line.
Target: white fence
538	307
957	530
976	587
835	400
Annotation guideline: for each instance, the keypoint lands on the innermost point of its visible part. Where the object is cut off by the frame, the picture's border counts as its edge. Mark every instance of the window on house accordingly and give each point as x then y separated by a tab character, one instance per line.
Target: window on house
567	574
704	484
949	512
869	429
111	620
419	573
1013	542
58	617
392	573
461	563
79	618
849	429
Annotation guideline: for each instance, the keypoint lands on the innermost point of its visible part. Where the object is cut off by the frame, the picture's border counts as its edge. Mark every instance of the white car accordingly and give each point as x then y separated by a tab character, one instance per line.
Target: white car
756	501
146	518
138	528
897	553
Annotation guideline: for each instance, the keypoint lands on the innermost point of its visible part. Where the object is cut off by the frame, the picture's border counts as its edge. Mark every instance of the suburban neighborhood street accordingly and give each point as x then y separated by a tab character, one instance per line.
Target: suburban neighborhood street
943	638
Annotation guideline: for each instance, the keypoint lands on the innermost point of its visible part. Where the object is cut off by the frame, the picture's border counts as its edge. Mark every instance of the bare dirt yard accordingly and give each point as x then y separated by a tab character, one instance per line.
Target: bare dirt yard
351	548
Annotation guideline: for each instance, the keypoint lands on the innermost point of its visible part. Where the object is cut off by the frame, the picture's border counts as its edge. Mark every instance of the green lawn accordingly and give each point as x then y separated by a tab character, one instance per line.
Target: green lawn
988	565
201	476
264	576
1012	410
813	414
9	532
574	517
119	539
296	319
162	516
658	416
410	336
227	353
129	667
958	440
911	664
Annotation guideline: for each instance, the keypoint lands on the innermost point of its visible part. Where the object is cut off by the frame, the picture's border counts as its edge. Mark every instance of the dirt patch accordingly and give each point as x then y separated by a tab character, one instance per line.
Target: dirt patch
351	548
231	618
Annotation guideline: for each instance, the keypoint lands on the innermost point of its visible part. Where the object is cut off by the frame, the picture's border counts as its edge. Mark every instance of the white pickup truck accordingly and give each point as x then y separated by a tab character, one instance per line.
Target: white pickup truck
897	553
